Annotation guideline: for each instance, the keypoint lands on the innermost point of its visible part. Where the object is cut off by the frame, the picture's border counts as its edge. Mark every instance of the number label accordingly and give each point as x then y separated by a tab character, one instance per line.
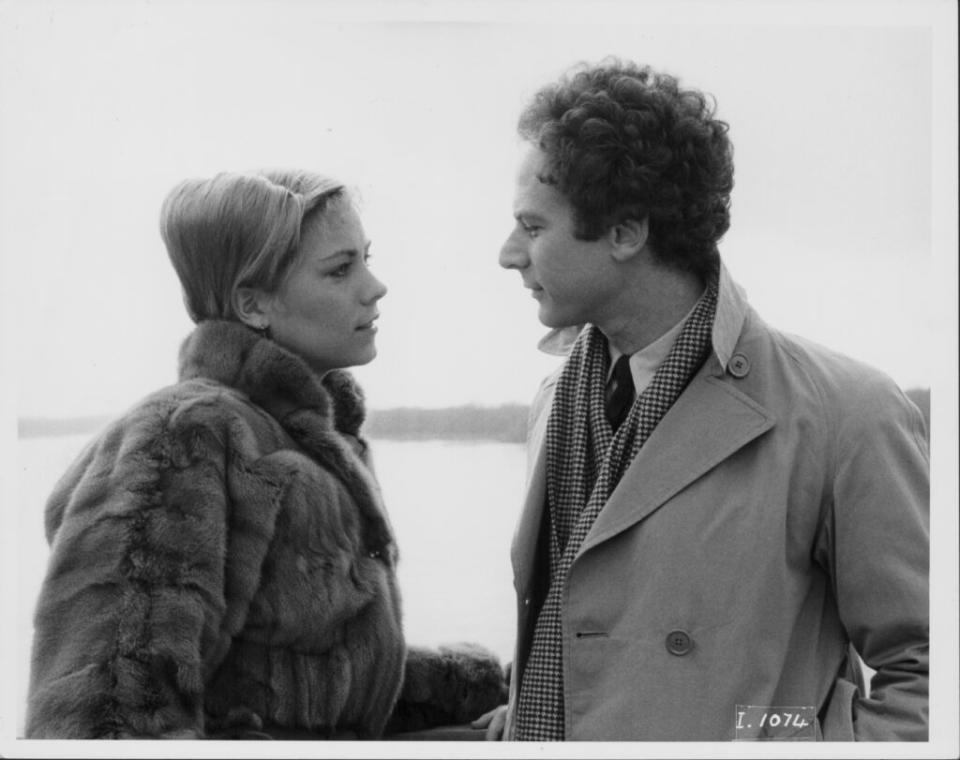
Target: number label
776	723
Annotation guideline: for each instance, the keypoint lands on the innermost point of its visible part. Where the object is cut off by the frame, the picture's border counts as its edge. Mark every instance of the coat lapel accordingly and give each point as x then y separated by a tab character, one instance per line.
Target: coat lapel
709	422
525	538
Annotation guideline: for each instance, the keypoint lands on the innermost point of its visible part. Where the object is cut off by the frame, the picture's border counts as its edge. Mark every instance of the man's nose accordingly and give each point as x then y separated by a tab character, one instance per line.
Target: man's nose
513	255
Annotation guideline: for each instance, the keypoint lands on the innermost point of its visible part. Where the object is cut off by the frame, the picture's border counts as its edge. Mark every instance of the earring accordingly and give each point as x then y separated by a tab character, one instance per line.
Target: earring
263	330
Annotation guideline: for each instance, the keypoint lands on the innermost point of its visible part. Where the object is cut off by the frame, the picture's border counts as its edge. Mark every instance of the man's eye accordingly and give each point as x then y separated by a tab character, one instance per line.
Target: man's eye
531	229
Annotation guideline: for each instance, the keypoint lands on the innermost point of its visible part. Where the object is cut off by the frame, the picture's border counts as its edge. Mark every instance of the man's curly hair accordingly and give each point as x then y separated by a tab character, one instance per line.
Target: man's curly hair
625	142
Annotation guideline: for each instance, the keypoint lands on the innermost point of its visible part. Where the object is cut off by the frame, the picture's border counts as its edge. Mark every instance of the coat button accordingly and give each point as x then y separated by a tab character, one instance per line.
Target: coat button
679	643
739	365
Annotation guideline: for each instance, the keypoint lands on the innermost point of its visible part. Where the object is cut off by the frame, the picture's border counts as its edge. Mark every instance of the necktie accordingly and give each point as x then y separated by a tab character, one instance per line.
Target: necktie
620	392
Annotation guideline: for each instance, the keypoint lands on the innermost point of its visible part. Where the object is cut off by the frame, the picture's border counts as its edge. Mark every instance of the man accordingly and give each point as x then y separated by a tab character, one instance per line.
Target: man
720	519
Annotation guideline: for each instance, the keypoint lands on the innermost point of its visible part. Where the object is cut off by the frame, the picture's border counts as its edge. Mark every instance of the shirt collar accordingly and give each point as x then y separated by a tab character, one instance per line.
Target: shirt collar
644	363
731	311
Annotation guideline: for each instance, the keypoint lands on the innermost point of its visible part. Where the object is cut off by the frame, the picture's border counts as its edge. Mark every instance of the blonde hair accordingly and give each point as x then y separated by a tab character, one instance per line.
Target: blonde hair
238	230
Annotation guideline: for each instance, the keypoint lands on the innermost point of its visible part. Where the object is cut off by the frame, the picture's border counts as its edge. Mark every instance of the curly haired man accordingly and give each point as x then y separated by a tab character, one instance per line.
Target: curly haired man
722	522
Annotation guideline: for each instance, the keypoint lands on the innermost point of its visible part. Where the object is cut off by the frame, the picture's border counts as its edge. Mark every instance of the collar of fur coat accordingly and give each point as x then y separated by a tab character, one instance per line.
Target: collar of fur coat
275	379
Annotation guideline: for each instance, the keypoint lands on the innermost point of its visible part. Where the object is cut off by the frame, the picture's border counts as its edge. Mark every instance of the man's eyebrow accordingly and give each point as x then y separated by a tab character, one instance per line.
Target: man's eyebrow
527	216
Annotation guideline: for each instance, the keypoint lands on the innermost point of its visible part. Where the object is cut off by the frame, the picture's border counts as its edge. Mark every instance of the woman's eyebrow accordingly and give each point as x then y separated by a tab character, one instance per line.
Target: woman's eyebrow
350	252
347	253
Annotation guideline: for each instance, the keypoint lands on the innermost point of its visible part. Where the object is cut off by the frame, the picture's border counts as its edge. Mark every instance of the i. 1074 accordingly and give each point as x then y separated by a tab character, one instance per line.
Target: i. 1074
775	720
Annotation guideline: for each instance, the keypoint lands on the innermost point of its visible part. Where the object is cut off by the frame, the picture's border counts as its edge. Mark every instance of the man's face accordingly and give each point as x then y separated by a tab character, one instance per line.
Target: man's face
573	280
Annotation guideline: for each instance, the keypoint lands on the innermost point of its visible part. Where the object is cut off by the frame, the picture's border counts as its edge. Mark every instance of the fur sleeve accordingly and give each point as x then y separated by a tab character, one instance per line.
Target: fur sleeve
140	600
451	685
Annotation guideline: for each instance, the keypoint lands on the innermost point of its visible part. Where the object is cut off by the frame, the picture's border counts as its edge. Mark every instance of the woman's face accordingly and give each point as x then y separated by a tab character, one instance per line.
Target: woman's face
326	307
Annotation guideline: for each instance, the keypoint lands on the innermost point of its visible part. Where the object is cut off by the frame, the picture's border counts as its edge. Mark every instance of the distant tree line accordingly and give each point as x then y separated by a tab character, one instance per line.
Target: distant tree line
41	427
506	423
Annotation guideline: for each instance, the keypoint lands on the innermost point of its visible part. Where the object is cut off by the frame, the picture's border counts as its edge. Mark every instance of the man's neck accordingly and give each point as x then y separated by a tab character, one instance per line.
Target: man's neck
649	306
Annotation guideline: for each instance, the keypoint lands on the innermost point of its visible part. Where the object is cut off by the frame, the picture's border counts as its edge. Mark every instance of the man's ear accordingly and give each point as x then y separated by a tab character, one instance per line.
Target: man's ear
251	306
628	238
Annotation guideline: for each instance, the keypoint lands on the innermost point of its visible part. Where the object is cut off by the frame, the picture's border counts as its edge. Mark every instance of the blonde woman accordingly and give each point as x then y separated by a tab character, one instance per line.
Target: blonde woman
221	561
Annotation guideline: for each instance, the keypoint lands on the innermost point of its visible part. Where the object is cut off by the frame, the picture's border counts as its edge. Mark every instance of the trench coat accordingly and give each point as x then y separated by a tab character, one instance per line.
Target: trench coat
773	529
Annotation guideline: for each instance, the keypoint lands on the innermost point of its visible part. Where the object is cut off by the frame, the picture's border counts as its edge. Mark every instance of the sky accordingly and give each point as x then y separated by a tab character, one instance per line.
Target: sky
107	105
843	116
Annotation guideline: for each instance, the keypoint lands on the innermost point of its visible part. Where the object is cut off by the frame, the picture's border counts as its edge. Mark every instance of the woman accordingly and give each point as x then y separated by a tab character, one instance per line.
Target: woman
221	563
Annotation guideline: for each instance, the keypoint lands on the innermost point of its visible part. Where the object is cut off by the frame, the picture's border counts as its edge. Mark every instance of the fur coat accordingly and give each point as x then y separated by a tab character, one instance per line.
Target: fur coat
220	559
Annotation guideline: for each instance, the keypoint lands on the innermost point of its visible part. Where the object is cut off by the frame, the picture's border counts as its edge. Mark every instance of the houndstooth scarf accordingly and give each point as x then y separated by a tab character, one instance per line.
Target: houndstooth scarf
585	461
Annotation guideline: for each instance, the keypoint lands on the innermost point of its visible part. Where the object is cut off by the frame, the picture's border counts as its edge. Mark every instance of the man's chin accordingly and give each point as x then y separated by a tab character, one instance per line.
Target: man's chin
553	320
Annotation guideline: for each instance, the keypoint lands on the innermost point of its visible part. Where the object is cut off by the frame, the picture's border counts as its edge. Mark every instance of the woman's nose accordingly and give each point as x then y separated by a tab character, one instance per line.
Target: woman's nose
512	254
375	288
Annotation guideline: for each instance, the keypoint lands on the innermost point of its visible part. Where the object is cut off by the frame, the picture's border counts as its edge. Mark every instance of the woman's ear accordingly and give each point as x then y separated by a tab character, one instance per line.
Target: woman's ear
252	307
629	237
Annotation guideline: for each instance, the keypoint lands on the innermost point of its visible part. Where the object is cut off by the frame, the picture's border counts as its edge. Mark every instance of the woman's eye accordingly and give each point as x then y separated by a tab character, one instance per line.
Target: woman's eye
341	271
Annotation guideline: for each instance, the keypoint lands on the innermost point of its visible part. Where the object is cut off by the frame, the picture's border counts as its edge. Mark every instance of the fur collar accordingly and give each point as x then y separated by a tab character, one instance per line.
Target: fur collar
275	379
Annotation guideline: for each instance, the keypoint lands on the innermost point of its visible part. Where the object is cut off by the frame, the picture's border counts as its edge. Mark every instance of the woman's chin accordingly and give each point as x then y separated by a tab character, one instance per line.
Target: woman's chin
368	354
357	360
